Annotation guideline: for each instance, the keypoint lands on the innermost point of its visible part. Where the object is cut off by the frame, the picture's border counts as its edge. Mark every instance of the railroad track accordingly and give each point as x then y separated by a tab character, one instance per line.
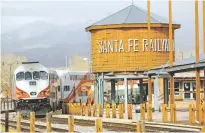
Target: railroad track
25	126
110	126
131	127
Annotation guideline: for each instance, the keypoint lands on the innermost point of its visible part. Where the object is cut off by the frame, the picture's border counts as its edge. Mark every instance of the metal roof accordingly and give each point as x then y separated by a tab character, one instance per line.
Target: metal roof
186	61
180	65
131	15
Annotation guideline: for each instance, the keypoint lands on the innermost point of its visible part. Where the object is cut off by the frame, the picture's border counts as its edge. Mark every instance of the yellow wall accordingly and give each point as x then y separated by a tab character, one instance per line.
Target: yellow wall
127	61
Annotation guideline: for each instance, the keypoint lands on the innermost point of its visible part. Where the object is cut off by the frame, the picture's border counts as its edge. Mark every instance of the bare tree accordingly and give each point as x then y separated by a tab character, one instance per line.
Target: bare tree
9	63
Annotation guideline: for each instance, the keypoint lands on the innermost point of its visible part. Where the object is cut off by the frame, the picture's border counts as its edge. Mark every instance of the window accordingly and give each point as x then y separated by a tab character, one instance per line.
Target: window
36	75
176	88
68	87
20	76
43	75
83	93
59	88
65	88
28	75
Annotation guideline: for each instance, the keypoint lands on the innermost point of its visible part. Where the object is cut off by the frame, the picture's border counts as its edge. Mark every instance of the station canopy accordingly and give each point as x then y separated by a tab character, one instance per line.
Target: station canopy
188	64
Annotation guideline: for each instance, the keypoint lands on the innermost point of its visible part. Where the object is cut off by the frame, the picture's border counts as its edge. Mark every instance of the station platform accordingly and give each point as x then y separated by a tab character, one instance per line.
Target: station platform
182	117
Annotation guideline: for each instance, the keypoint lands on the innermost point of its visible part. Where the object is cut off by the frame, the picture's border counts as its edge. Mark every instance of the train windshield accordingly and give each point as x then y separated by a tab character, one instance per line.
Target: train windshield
28	76
20	76
43	75
36	75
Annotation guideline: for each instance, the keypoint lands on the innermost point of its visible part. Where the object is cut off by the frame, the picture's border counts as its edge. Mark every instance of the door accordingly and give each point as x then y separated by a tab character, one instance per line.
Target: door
187	89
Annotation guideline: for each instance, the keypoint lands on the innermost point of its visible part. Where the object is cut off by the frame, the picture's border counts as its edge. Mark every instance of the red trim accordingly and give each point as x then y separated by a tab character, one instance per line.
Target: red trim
20	95
45	94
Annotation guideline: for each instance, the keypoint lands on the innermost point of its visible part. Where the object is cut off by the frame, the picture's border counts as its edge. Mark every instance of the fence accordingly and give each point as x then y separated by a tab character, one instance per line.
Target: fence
140	127
118	110
8	105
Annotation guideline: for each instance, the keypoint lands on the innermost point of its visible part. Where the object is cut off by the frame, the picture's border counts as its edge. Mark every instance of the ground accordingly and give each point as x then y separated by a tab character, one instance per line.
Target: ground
3	129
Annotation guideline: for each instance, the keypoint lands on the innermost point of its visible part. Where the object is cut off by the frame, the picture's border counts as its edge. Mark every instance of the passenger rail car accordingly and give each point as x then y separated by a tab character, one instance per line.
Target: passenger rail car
77	87
35	88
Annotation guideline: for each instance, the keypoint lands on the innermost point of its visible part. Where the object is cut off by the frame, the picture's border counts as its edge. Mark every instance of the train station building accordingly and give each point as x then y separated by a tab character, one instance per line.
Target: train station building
121	57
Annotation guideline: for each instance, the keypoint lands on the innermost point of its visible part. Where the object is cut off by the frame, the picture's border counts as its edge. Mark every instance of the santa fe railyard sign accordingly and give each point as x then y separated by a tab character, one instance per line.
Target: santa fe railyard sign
114	46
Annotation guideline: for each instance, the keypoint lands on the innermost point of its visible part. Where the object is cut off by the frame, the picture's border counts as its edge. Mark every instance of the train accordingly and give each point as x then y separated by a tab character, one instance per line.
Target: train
35	88
40	89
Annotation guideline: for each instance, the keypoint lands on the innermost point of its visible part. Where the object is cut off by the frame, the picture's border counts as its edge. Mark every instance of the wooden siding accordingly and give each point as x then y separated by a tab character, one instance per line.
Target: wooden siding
127	61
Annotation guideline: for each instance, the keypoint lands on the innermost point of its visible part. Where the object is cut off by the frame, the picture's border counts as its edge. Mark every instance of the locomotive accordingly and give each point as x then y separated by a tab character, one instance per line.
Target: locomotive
35	88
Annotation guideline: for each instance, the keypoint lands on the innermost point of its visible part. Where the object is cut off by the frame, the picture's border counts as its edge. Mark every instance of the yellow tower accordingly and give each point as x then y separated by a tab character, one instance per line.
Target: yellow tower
119	41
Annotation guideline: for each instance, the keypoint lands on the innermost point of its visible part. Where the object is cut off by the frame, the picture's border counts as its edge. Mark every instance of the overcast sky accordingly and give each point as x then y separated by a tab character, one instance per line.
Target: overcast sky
82	13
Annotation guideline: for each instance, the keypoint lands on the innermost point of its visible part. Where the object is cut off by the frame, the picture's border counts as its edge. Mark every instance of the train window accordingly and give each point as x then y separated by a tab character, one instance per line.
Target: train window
28	75
36	75
65	88
20	76
68	88
43	75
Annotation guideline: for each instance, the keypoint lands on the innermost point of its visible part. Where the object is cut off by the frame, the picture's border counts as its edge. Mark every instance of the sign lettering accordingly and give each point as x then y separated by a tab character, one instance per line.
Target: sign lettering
135	45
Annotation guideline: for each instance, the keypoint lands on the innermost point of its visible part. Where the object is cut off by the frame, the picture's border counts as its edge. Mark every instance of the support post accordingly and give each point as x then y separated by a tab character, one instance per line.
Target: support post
48	122
70	123
191	114
98	125
126	90
113	110
129	111
89	109
171	60
164	113
204	42
100	110
197	93
138	129
18	128
96	88
120	110
107	110
201	114
4	105
149	111
197	58
156	93
148	34
94	110
202	129
142	111
83	109
113	91
173	113
142	124
32	122
6	121
166	93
